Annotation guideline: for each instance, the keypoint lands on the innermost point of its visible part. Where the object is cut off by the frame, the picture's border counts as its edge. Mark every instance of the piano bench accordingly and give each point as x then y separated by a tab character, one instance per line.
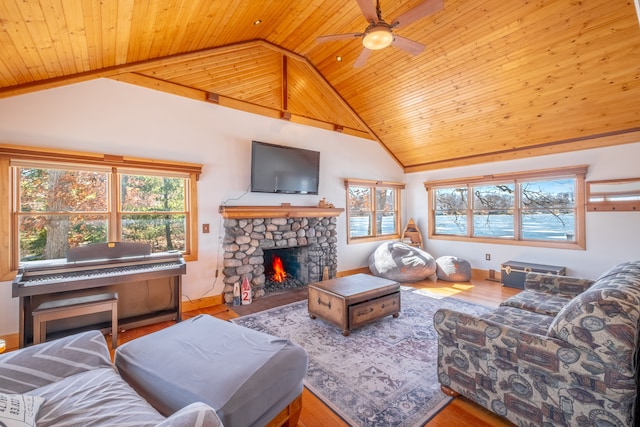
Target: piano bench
72	307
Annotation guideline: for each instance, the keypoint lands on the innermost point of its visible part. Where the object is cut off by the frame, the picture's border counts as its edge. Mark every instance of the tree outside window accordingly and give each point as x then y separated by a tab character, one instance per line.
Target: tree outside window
59	209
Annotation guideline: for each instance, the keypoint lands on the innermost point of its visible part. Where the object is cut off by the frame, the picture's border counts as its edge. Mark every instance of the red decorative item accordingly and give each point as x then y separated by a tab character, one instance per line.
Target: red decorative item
245	289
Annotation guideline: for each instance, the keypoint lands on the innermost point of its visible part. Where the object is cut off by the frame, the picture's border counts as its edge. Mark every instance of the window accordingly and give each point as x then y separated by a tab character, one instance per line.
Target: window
84	199
540	208
373	210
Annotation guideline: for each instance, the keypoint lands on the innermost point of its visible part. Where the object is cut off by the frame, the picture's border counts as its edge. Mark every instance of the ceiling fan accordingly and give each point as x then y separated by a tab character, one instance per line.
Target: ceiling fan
379	34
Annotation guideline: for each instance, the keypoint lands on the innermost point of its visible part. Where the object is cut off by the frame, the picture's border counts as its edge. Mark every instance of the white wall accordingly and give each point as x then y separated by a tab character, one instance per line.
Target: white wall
105	116
612	237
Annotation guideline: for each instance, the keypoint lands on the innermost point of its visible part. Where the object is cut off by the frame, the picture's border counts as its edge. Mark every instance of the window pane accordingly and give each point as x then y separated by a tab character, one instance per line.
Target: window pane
57	190
451	223
548	209
360	225
385	199
140	193
540	195
495	197
493	223
163	232
360	199
548	225
386	223
451	199
51	236
451	211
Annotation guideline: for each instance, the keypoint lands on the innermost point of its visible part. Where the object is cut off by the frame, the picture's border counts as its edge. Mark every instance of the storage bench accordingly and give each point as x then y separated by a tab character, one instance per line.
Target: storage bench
512	273
352	301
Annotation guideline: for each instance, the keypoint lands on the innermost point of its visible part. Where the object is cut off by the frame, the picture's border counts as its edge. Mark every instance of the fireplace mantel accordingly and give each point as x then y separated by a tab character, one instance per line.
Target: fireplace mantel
282	211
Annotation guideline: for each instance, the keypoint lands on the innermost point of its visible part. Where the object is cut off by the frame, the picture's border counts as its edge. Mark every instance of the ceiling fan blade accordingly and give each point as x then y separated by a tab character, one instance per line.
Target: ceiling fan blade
362	59
334	37
414	48
368	10
420	11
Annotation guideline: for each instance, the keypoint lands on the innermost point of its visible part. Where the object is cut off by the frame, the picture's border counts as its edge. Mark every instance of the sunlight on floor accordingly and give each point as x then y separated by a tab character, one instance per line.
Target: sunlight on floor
444	291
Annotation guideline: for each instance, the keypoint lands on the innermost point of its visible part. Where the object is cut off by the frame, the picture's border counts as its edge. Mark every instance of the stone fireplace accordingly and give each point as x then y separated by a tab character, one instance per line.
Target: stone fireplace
303	237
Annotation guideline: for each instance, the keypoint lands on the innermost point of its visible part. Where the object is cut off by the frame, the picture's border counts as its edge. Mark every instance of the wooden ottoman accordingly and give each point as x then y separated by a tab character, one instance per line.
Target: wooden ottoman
352	301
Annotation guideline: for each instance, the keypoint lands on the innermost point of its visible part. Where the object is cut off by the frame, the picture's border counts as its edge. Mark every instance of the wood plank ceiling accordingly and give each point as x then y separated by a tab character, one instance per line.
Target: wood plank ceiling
498	79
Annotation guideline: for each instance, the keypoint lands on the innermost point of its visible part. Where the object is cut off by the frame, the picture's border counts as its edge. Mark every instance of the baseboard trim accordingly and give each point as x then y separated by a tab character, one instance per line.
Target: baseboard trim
477	274
11	341
202	303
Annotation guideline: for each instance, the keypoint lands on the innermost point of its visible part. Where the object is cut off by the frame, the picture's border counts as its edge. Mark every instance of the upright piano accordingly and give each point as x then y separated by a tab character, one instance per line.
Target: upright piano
149	286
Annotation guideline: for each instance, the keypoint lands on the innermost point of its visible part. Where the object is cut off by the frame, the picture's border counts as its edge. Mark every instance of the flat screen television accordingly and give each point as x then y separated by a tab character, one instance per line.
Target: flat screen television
280	169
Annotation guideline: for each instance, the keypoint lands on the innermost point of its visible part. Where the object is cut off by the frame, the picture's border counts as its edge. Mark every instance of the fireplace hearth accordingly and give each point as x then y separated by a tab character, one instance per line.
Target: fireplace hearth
306	246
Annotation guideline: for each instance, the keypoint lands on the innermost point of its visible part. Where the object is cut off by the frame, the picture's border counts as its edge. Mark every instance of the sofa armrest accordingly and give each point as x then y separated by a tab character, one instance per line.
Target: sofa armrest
38	365
554	284
502	368
194	415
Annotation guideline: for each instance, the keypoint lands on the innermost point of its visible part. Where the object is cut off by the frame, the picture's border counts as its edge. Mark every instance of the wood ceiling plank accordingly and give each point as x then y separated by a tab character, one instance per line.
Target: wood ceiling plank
21	37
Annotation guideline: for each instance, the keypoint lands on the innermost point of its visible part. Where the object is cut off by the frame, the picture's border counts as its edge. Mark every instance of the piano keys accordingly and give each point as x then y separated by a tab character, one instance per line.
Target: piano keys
149	286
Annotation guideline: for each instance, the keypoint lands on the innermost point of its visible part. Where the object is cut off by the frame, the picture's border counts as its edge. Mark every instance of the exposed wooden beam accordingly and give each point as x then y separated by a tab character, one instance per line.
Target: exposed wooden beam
627	136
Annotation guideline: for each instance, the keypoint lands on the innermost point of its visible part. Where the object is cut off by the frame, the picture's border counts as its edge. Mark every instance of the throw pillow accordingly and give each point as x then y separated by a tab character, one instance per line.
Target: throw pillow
19	410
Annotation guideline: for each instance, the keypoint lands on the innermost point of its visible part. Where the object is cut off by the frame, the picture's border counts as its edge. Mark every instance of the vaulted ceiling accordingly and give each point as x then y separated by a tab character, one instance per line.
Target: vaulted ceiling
498	79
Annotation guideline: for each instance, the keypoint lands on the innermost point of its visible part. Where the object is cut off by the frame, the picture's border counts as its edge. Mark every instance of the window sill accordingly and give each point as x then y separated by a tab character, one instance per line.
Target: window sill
354	240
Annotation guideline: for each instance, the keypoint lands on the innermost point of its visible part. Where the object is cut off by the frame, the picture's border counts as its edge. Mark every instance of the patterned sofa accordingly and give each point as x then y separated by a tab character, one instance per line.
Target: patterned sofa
564	352
77	385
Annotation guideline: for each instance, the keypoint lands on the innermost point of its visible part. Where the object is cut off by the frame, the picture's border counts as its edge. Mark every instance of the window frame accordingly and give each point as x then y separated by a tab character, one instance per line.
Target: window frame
374	186
12	155
576	172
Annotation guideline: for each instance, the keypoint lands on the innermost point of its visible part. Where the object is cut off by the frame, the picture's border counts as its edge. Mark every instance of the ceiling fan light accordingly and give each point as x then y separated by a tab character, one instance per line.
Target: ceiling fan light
377	38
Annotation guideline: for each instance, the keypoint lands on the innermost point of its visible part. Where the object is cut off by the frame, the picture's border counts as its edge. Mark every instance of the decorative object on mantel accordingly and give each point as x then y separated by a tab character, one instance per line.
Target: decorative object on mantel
323	203
402	263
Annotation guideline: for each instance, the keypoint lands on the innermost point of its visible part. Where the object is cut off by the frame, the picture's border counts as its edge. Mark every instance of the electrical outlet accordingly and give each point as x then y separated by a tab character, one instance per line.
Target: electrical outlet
205	228
487	257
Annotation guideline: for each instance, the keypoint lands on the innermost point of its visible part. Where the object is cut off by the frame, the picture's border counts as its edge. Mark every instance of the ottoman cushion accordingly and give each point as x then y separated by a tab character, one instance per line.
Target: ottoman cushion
248	377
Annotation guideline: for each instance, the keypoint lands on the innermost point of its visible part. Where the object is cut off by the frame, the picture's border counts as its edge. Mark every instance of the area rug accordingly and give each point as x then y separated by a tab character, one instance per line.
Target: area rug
382	374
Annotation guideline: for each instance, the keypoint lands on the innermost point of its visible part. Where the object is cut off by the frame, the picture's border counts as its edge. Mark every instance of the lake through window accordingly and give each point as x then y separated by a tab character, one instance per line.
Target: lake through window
544	207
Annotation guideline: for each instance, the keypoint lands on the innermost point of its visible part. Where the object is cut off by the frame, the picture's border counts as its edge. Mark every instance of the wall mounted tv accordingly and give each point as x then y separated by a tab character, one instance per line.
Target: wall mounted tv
280	169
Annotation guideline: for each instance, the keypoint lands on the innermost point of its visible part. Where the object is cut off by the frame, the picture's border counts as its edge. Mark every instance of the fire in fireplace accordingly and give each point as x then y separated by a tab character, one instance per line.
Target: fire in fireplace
285	268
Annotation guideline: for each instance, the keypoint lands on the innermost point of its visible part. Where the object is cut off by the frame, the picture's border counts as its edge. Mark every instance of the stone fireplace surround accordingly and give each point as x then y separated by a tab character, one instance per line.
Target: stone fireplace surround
249	230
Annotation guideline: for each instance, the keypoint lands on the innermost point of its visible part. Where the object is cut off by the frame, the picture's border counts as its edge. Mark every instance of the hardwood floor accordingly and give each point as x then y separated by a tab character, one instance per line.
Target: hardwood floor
460	412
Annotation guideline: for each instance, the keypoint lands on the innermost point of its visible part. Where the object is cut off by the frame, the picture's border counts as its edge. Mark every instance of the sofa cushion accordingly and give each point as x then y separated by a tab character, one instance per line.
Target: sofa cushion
38	365
523	320
94	398
538	302
19	410
604	318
